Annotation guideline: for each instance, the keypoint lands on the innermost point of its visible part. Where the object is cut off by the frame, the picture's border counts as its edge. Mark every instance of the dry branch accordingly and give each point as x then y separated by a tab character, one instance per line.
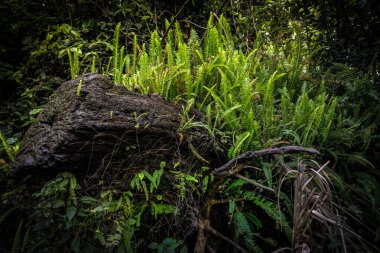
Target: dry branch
255	183
237	163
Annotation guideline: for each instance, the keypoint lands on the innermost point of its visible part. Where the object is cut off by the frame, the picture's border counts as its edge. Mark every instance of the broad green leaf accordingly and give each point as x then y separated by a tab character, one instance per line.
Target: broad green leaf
268	174
87	200
58	203
70	212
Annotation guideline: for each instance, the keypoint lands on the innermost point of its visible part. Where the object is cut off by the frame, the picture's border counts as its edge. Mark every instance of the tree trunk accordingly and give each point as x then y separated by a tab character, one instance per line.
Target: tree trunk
90	124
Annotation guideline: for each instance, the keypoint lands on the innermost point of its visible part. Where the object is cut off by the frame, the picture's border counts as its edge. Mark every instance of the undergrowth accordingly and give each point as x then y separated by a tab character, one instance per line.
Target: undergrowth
258	98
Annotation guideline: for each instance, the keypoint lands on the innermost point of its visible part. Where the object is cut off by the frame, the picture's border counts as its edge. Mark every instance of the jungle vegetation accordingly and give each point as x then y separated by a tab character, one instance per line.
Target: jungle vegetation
264	73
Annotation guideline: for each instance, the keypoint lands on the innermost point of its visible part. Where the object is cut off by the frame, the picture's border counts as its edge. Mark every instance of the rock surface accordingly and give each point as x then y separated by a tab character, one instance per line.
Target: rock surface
92	124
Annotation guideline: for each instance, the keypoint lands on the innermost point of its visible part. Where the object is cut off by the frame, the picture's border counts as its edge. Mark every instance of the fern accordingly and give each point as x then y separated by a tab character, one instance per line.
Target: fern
240	139
302	111
211	42
286	106
115	67
328	120
194	47
169	55
25	240
16	244
8	149
241	225
224	28
158	209
120	68
250	99
74	60
271	210
183	60
312	127
296	65
155	50
236	85
170	37
145	72
134	57
178	34
243	229
127	235
268	109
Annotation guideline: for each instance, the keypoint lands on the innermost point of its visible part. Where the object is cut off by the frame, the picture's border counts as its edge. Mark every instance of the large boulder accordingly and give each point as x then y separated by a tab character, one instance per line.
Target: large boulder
89	124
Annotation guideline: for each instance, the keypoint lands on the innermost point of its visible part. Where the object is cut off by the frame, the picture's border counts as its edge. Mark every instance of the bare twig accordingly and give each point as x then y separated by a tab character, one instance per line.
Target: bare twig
282	249
174	19
194	24
224	201
254	183
218	234
225	33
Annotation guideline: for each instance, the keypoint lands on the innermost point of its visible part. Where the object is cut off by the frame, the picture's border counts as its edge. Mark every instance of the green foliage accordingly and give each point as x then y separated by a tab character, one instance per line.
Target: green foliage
232	86
108	221
139	183
74	61
268	94
247	218
251	99
354	138
243	229
10	149
168	245
184	181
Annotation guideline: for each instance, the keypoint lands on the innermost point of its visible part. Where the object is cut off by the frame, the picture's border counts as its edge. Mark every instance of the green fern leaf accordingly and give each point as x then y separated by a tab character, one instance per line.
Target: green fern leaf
16	244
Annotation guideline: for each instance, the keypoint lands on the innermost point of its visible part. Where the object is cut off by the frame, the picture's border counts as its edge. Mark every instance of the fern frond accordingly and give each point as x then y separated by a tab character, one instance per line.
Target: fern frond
328	119
286	106
183	62
242	225
155	49
72	71
225	32
313	125
178	34
169	55
25	240
8	149
145	71
244	231
211	43
16	244
134	58
194	47
116	35
271	210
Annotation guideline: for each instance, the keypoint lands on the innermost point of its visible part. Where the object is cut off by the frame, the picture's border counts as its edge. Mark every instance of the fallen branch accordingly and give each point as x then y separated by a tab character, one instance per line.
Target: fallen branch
236	164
